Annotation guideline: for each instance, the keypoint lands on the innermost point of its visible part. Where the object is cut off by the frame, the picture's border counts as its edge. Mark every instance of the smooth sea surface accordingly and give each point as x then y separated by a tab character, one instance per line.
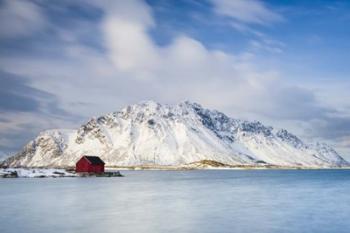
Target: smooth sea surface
246	201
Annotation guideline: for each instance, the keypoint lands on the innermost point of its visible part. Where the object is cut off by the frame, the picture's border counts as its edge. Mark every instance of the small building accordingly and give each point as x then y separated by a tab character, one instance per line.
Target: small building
90	164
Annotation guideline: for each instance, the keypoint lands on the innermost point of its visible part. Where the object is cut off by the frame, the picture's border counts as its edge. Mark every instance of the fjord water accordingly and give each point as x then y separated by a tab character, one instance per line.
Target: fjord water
180	201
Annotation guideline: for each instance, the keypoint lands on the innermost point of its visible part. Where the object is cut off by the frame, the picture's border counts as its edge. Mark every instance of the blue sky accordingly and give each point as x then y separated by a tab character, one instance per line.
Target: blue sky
284	63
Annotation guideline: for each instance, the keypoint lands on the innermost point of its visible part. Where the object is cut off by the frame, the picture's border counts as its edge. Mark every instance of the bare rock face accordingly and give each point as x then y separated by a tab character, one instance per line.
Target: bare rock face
149	134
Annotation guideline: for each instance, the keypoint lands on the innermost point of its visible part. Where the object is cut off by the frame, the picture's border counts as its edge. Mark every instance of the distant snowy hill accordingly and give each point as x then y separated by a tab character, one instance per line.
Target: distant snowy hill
153	134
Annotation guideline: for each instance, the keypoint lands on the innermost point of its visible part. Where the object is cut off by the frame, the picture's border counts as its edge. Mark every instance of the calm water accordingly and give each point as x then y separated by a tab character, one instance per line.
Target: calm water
180	201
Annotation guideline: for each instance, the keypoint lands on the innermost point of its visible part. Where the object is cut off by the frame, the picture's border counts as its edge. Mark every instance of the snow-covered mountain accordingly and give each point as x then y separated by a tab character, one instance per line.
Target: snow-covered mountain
149	133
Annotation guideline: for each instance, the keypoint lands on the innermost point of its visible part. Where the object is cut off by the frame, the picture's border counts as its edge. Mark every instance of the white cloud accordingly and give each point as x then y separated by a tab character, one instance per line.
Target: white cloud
125	27
135	68
265	46
244	15
184	69
20	18
246	11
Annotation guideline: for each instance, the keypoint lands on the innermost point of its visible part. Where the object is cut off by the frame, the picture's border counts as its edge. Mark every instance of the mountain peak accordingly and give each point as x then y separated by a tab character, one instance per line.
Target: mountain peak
191	104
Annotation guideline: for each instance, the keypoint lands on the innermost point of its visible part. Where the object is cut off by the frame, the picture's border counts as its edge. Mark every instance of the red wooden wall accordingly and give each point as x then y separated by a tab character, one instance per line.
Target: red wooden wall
83	165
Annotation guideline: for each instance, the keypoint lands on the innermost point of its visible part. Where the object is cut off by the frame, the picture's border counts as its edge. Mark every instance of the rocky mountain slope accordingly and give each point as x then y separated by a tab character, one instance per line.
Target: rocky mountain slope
153	134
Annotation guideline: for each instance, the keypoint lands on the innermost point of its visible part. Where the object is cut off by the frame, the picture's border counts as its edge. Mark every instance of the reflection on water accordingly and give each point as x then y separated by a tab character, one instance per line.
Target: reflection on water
180	201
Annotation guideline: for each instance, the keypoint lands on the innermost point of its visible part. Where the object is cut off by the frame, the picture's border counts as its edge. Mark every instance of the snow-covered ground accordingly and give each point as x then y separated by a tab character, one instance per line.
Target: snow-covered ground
35	172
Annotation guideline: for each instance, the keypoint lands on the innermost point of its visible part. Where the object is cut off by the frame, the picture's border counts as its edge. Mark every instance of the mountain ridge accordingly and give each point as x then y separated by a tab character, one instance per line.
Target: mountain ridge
150	133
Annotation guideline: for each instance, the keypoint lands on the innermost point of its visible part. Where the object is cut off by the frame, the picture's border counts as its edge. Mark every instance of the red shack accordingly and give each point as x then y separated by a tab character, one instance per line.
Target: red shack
90	164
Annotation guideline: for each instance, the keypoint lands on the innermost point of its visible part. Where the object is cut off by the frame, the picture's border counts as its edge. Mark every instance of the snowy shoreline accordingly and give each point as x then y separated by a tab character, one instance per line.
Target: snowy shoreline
34	173
143	168
51	173
60	172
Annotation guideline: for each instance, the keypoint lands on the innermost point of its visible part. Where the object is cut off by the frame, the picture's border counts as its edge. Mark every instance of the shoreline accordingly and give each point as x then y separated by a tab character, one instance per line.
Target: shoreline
115	171
181	168
135	168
